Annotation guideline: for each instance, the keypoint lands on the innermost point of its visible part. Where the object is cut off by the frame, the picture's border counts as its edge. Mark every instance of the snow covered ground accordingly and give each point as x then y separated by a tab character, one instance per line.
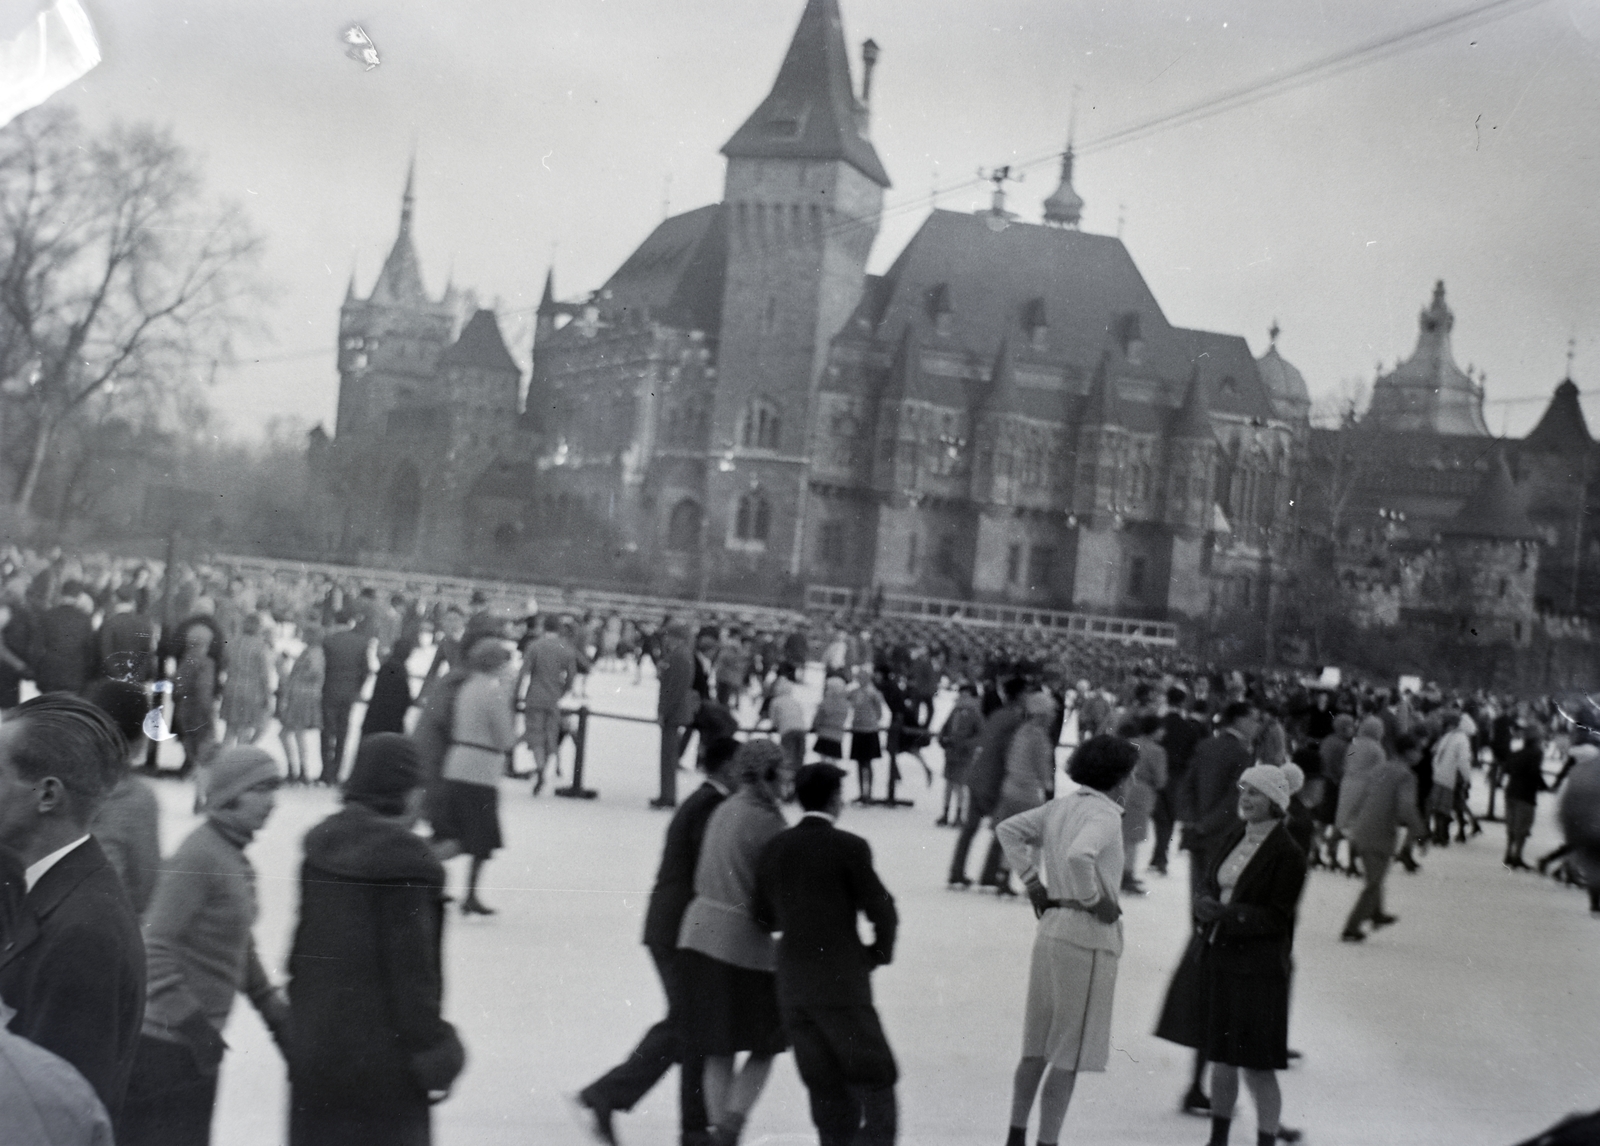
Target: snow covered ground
1475	1020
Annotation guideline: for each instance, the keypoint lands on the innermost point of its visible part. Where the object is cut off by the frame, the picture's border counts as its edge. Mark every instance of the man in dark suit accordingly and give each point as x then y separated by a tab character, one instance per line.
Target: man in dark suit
65	651
346	654
1211	788
812	883
127	640
663	1044
677	702
986	774
71	961
1180	732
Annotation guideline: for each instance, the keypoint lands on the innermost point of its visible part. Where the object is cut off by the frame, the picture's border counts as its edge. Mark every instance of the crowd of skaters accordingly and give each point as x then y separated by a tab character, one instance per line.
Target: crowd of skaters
1259	778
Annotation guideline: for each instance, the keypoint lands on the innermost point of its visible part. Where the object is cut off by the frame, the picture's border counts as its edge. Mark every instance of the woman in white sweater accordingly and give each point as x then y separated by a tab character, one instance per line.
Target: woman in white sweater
1069	854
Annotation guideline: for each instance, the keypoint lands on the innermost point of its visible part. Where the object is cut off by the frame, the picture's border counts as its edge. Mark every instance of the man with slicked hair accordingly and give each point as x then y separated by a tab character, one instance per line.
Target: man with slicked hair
71	963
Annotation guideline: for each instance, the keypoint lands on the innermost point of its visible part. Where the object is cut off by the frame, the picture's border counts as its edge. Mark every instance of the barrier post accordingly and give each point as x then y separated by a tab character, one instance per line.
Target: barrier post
580	745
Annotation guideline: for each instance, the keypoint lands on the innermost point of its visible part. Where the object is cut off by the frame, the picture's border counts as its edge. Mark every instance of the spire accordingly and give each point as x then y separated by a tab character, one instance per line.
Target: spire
350	287
1001	397
1064	208
409	198
400	281
1102	407
547	301
812	111
903	370
1191	422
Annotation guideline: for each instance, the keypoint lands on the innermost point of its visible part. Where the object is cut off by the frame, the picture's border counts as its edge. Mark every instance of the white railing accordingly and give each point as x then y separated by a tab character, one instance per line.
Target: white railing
511	595
1127	630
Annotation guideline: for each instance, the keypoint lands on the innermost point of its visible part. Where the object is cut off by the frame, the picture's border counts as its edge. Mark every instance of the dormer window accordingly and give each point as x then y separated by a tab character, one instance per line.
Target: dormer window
1035	323
1130	337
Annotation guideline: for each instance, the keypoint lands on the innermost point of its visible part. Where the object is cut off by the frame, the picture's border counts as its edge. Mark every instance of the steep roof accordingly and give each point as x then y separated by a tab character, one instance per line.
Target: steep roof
400	281
1563	429
480	346
677	272
1087	285
1428	391
811	111
1496	509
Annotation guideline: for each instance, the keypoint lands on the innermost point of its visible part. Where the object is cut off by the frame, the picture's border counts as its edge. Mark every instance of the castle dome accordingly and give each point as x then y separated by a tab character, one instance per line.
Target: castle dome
1064	208
1428	392
1291	399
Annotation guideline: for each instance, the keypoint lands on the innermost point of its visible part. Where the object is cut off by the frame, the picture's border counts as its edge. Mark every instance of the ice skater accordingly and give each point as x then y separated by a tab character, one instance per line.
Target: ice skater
1069	853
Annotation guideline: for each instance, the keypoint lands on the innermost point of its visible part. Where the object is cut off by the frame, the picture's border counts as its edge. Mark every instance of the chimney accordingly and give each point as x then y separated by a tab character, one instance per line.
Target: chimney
869	60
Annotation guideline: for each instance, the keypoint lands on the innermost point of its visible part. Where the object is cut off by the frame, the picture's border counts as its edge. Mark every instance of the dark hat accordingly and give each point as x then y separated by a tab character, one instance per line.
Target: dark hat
387	765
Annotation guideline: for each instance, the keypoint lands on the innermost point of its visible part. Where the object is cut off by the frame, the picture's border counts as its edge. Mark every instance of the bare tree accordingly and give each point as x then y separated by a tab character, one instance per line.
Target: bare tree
116	276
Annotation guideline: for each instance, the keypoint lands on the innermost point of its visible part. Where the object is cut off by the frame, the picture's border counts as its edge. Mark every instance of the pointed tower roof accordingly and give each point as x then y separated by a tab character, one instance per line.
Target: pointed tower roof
1563	429
1102	407
481	347
1001	397
400	281
1064	208
811	111
903	369
1191	423
547	301
1496	510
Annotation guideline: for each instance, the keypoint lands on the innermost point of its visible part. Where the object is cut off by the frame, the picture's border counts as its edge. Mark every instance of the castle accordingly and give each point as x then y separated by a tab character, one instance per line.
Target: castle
1005	414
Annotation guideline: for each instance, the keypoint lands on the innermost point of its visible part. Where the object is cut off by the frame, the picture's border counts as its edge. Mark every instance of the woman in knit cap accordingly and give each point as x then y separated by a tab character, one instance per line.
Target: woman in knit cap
200	953
1069	853
729	959
481	738
369	1051
1230	997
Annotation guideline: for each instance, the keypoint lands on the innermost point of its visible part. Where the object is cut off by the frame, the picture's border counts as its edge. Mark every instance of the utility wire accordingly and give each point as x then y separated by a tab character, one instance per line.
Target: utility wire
1345	60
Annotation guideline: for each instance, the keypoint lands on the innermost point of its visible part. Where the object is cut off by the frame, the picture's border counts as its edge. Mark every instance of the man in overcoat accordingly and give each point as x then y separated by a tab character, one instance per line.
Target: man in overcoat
1211	788
676	705
664	1044
813	882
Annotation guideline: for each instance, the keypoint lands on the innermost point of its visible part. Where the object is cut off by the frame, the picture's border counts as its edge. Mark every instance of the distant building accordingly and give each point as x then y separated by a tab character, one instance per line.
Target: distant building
1005	414
1437	522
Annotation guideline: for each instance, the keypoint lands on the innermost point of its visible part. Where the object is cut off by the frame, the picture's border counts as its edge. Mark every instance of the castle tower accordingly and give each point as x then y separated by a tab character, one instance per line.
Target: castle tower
1489	563
389	341
802	195
1428	392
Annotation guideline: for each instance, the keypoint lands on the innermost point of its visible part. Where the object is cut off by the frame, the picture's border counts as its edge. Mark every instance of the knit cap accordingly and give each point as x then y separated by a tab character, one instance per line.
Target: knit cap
234	771
387	764
1270	781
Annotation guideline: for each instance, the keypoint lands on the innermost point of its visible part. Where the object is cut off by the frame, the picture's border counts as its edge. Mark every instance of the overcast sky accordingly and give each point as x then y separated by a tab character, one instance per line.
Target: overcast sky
546	127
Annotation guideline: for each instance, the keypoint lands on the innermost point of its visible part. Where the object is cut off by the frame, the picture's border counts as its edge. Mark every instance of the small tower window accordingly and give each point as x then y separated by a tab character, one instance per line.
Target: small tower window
754	519
1013	564
760	426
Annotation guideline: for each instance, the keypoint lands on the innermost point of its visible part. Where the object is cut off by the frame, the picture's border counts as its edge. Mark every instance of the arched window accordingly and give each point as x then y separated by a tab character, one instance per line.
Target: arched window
759	430
754	519
683	527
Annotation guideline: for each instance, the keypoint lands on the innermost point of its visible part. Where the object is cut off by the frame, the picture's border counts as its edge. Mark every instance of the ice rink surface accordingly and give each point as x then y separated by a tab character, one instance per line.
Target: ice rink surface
1474	1020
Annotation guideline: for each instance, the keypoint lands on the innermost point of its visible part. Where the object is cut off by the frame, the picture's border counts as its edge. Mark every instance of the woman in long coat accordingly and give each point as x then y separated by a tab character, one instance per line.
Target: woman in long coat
1230	997
247	701
369	1051
729	960
1075	843
481	738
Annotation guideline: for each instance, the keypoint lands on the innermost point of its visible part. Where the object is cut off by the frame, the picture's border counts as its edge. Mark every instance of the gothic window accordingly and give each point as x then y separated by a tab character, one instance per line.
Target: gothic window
911	555
946	559
1136	578
759	428
683	527
754	520
505	537
1013	564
